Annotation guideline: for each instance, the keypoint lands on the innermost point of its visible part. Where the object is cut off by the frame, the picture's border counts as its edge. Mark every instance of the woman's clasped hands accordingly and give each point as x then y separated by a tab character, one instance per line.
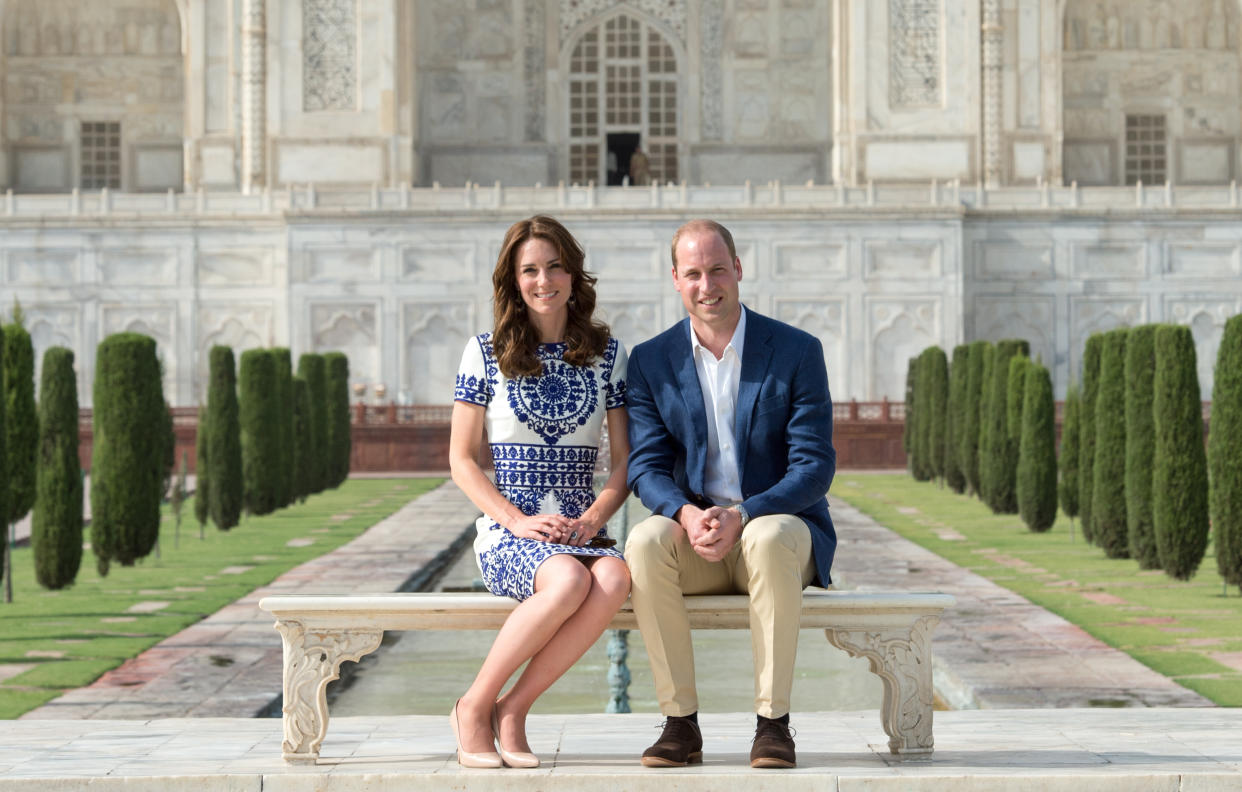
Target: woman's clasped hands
554	528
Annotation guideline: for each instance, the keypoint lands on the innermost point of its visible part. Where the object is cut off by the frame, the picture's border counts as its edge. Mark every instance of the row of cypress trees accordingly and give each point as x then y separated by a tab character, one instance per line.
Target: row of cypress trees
267	438
985	425
1133	460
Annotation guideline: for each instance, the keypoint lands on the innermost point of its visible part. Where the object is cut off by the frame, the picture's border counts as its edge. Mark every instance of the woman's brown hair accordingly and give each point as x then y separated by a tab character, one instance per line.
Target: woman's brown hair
514	339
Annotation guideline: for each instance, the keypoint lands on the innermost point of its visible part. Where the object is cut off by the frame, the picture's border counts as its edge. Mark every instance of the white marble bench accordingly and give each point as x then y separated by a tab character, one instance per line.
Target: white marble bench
892	630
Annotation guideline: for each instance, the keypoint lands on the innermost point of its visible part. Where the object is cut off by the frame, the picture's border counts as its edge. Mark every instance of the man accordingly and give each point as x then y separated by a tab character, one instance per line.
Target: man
640	168
731	450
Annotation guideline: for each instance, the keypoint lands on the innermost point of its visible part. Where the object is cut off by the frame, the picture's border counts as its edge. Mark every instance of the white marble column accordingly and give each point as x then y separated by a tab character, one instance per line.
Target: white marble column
992	65
254	92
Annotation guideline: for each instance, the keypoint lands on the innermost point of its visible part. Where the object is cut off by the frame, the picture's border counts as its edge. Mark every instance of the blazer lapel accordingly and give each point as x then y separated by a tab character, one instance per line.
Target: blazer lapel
681	357
756	357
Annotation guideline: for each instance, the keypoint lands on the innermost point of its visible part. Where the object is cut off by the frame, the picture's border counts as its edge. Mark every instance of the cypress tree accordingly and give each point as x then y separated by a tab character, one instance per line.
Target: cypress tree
260	431
908	429
997	470
1015	393
284	384
1225	453
968	443
23	421
959	372
127	459
339	440
56	528
202	509
924	418
224	459
4	487
1037	452
302	439
1140	444
1179	483
1108	498
1086	431
934	378
1070	437
311	369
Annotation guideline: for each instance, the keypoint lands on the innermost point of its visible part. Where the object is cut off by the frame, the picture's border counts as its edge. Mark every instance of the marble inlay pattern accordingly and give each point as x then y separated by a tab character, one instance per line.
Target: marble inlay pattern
670	12
914	41
329	54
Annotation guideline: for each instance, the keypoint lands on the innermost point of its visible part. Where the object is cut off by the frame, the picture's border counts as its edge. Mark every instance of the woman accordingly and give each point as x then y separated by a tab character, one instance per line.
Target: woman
541	383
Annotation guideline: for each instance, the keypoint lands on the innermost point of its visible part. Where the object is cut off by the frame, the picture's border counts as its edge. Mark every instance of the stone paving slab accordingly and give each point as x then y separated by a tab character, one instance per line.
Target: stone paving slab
230	664
996	649
1130	750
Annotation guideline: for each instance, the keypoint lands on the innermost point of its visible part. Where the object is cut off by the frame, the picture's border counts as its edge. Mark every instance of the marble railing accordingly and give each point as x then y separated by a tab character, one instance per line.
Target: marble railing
933	196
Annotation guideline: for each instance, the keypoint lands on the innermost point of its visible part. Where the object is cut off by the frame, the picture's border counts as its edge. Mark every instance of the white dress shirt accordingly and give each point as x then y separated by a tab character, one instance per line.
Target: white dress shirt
718	379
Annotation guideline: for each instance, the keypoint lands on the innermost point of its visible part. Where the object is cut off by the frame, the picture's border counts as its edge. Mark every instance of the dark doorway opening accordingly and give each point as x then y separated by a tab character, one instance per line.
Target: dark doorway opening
621	147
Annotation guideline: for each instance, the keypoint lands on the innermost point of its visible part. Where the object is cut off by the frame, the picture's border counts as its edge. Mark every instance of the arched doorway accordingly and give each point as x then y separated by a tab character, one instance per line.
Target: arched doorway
622	94
1150	91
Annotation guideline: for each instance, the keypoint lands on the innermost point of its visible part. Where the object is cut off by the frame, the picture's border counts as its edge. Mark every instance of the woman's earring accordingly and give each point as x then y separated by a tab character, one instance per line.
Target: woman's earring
573	300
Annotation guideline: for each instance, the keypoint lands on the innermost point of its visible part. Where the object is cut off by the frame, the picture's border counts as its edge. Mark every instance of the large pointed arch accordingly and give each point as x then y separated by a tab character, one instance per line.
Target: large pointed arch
620	79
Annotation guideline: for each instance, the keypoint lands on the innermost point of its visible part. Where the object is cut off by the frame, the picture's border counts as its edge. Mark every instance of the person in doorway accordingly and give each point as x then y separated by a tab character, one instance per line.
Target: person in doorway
731	450
542	383
640	168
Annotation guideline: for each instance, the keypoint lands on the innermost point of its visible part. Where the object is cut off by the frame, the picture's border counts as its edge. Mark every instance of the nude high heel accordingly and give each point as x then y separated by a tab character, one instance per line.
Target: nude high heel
522	759
486	759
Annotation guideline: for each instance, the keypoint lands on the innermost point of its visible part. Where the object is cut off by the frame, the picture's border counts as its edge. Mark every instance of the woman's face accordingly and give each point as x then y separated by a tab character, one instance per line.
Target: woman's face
542	280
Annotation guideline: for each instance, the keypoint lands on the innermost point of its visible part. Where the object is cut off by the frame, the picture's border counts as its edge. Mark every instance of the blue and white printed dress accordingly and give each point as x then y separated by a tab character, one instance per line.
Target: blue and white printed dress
544	433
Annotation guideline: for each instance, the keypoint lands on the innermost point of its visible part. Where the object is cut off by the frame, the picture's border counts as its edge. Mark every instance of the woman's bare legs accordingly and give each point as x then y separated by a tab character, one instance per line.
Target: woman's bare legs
610	584
562	584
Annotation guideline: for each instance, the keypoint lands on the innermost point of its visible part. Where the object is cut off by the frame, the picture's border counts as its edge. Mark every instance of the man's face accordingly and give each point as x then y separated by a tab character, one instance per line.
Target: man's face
707	278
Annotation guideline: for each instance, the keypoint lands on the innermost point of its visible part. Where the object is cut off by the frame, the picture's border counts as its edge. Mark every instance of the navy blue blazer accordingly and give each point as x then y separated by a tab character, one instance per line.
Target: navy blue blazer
783	427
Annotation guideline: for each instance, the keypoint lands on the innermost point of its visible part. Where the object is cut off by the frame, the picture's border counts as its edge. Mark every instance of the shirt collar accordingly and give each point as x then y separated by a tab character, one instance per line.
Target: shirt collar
736	342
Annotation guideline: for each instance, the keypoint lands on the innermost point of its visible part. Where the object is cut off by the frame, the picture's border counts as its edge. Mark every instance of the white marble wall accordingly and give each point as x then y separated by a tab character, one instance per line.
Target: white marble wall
400	291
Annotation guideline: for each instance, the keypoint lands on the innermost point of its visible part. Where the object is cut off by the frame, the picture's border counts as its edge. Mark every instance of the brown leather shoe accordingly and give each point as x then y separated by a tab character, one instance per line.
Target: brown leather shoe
680	744
773	745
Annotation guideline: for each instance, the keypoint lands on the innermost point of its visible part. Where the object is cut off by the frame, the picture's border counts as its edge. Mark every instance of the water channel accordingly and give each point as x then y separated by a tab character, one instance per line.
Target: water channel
422	673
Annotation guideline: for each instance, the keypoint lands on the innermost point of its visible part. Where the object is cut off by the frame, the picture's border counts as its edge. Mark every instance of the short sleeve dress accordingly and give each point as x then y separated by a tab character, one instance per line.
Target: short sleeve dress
544	434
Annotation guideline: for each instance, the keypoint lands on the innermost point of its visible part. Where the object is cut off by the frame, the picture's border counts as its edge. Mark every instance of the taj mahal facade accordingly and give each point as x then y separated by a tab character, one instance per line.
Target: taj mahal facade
338	174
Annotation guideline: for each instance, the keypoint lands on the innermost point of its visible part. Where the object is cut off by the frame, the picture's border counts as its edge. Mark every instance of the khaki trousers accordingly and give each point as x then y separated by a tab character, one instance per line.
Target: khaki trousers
772	562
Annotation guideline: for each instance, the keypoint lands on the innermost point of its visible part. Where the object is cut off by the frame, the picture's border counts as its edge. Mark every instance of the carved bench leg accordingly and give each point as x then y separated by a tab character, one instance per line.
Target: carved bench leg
312	660
901	658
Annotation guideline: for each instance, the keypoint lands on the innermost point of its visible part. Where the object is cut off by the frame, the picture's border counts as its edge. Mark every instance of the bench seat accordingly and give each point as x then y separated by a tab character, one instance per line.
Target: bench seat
319	632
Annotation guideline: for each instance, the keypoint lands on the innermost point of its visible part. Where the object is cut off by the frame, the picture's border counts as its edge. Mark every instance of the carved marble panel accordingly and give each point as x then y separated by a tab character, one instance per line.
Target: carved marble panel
434	335
1088	162
1205	260
329	54
1032	318
1109	260
438	262
352	328
711	38
239	326
752	104
898	329
750	36
533	69
630	261
798	262
824	318
884	259
330	264
234	266
797	35
446	106
1206	318
631	321
129	267
52	325
914	53
671	12
42	266
1014	260
71	27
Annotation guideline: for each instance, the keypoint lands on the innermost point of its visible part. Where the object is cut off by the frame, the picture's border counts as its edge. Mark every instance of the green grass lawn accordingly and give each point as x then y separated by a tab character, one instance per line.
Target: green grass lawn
1191	632
70	637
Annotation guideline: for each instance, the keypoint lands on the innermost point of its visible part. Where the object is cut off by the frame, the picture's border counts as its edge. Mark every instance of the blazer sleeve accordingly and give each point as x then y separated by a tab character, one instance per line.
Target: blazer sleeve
812	461
653	448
